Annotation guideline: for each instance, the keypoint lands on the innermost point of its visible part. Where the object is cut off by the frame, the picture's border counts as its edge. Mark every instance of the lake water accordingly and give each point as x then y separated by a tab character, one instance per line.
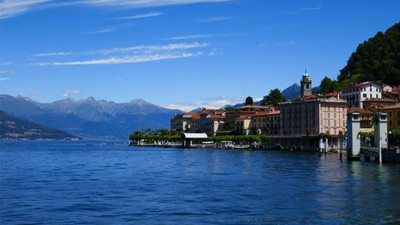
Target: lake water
57	182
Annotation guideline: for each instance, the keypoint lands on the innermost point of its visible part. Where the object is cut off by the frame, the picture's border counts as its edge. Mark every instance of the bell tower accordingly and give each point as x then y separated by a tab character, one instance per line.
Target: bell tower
305	85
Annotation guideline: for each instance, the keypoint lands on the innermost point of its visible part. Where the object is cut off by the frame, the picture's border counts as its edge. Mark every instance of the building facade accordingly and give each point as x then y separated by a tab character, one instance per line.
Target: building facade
356	94
258	123
314	116
230	122
393	116
214	124
186	123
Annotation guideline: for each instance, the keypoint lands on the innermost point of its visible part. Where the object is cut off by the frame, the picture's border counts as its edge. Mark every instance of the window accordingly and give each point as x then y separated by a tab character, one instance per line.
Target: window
376	95
364	95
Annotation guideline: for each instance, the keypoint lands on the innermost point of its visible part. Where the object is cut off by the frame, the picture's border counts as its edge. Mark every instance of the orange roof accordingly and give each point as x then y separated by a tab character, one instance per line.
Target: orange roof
245	116
254	107
362	84
192	115
397	106
359	110
331	94
310	96
216	117
266	113
379	100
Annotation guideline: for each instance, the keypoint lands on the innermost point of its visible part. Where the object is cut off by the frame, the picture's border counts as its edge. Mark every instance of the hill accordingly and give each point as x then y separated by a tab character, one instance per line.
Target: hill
291	92
377	59
90	118
13	128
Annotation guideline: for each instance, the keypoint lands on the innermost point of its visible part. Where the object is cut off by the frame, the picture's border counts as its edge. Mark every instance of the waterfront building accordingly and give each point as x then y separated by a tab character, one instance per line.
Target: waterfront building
374	104
243	124
186	123
230	124
314	115
258	123
307	120
393	116
366	118
266	123
356	94
215	124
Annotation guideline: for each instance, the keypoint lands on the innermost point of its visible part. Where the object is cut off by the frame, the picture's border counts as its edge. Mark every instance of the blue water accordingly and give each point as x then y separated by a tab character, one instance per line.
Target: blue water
60	182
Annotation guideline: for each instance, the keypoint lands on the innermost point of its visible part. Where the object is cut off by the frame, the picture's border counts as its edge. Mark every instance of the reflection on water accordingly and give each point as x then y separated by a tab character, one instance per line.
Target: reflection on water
72	182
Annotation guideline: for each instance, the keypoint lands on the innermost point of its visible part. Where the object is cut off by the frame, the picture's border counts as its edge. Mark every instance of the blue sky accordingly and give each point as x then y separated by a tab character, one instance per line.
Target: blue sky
178	53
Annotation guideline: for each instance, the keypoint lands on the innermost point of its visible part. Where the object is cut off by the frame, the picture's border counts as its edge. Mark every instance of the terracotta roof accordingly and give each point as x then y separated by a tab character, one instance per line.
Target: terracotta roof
379	100
360	110
245	116
363	84
266	113
310	96
192	115
331	94
360	85
216	117
254	107
397	106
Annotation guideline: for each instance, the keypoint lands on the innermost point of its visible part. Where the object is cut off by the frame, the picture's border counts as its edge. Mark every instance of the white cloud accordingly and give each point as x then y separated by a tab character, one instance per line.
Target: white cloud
67	93
100	31
6	63
124	60
139	16
147	48
312	8
7	71
136	49
213	19
4	78
191	37
210	103
10	8
134	54
144	3
52	54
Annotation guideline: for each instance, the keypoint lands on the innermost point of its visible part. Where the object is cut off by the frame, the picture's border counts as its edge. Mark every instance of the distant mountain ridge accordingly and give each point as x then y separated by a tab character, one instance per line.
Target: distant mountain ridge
13	128
90	118
291	92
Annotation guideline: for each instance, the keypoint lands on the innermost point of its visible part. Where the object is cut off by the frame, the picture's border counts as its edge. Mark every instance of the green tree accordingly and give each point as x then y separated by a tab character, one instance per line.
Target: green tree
273	98
229	109
249	101
327	85
377	59
394	137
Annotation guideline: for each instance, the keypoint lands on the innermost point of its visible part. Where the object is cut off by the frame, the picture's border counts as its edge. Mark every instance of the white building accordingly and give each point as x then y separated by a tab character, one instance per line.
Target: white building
356	94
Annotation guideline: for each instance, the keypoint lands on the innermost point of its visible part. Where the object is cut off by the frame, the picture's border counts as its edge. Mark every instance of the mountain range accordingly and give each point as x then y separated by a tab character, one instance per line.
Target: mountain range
12	128
90	118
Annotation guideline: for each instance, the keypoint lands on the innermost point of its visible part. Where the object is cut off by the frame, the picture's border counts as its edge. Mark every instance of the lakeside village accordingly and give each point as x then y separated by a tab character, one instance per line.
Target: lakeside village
310	122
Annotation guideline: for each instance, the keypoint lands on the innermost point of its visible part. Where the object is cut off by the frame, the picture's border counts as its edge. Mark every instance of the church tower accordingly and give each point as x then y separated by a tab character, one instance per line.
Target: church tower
305	85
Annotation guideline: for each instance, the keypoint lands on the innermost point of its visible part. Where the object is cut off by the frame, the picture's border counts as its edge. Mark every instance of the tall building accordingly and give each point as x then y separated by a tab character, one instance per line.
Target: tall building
356	94
305	121
393	114
186	123
305	84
